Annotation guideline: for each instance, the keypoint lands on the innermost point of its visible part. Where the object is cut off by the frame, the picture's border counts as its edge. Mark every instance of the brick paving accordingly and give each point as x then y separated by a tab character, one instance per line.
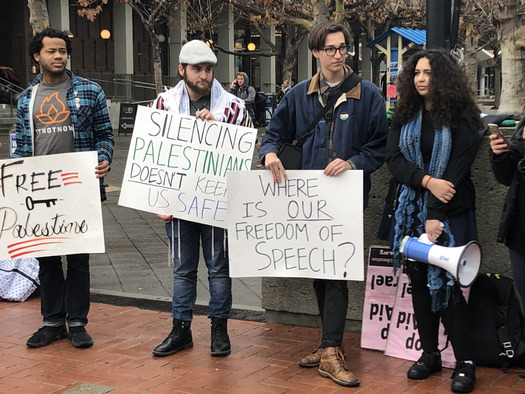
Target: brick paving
134	275
263	360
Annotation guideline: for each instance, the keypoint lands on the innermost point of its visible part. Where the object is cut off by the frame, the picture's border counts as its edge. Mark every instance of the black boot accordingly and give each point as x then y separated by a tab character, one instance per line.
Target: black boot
178	339
220	341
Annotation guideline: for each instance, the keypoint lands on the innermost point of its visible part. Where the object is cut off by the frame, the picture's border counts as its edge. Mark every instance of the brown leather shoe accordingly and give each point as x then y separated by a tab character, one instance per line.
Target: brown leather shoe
333	366
311	360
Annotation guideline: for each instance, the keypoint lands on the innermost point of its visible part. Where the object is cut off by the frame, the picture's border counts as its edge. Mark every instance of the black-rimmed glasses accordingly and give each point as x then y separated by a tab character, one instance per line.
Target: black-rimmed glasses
330	51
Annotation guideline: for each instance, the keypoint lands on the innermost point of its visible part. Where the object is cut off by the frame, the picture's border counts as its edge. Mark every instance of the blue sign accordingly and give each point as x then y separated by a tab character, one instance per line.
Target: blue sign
12	139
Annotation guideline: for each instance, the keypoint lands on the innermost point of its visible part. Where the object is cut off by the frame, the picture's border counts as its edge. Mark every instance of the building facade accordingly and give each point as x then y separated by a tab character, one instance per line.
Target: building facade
115	50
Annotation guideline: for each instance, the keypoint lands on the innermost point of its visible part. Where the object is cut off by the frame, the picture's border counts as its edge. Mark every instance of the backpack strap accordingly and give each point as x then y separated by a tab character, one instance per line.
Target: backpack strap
510	350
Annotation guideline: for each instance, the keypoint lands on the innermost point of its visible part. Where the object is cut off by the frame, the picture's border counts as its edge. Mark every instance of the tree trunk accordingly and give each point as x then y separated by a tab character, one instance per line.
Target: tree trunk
497	81
157	64
290	57
293	36
376	59
471	61
512	60
38	15
148	16
339	11
320	11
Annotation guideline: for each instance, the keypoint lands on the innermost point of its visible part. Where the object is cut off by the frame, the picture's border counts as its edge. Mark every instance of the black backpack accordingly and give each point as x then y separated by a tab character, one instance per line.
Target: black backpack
498	337
260	109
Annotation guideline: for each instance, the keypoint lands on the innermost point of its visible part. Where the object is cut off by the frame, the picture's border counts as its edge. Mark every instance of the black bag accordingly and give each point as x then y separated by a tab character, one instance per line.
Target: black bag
291	154
386	226
498	331
260	109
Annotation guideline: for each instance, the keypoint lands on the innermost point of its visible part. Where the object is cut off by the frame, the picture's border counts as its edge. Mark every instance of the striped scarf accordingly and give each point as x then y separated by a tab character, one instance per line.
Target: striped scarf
223	105
412	208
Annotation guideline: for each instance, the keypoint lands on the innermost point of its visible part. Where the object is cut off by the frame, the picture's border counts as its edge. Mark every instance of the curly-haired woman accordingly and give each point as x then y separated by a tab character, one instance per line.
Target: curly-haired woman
433	140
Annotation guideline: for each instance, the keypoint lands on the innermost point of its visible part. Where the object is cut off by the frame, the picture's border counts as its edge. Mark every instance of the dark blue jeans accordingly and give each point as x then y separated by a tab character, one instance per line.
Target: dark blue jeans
185	238
64	299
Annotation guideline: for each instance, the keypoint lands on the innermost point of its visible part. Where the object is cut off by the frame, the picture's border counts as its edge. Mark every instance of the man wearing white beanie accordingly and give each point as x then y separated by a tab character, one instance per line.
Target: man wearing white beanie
200	95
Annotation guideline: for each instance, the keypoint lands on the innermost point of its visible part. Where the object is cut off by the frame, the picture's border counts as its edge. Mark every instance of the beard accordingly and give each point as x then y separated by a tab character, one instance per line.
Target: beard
201	90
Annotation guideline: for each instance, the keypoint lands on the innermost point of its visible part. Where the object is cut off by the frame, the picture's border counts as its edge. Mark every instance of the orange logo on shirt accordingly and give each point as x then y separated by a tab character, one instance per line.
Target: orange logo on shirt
56	111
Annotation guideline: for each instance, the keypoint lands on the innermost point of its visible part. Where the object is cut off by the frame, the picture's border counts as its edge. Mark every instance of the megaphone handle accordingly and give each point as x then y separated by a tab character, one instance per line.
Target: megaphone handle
424	239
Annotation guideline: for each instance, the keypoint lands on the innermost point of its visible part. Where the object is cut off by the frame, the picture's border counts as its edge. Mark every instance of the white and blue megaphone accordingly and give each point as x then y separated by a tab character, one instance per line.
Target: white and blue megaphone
463	261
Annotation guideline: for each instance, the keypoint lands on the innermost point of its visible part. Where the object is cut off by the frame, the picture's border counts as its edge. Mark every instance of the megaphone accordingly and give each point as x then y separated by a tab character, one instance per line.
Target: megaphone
463	261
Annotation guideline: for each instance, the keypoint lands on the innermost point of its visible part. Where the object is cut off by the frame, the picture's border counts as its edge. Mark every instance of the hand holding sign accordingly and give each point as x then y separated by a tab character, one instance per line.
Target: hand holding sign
50	206
299	227
177	165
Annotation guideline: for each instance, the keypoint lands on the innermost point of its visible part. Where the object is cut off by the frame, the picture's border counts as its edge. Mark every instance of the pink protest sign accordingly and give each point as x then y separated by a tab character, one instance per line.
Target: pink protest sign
381	288
389	322
403	338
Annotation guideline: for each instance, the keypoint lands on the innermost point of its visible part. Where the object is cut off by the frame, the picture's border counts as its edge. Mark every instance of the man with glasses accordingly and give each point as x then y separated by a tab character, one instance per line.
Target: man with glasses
351	136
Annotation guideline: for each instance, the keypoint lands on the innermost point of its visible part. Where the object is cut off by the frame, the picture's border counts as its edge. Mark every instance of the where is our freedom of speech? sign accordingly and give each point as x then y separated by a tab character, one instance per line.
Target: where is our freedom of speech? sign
309	226
50	206
177	165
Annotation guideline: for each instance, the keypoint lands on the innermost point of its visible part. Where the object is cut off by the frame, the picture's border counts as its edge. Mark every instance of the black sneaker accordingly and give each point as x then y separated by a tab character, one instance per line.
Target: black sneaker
45	335
463	378
427	364
80	338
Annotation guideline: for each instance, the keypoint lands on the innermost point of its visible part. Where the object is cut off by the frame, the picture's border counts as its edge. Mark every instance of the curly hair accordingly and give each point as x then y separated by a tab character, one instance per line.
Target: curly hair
452	98
36	45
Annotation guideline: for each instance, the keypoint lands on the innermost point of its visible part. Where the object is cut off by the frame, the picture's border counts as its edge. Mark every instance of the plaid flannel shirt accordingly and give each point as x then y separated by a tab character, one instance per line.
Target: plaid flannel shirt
92	126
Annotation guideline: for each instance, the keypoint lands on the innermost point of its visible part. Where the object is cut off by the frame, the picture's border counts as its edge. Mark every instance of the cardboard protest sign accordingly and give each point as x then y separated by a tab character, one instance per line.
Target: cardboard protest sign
177	165
309	226
50	205
389	322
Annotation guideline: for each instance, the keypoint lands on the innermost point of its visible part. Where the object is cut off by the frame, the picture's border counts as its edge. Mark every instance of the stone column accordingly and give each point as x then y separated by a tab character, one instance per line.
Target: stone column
267	62
58	14
177	32
304	61
123	39
225	61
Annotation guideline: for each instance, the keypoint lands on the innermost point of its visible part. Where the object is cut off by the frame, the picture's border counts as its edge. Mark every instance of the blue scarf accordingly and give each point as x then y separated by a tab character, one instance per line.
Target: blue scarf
412	208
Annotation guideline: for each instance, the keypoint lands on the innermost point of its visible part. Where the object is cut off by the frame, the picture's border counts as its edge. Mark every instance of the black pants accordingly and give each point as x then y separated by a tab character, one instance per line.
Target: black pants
455	317
332	300
64	298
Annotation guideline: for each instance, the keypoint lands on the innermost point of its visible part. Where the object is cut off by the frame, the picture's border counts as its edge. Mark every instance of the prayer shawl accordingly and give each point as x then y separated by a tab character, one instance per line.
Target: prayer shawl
223	105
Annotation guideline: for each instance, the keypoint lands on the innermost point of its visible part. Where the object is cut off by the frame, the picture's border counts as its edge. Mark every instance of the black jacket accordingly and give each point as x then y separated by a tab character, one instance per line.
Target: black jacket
465	144
505	167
